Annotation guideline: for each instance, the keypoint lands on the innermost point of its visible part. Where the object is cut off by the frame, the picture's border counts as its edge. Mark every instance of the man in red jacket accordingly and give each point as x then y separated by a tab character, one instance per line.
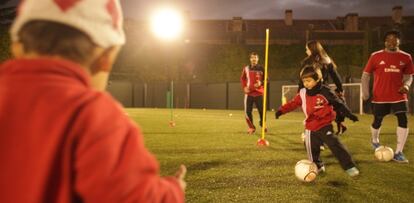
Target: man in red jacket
252	79
63	139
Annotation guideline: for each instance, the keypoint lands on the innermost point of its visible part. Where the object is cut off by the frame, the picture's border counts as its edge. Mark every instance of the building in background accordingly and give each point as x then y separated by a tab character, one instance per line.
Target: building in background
349	29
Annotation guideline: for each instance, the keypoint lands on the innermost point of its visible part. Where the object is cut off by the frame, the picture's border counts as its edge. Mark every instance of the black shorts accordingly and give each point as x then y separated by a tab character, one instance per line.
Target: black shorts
383	109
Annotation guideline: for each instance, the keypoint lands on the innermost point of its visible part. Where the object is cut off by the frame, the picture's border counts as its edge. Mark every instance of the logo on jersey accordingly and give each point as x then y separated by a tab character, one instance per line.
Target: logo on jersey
319	103
392	69
382	63
402	63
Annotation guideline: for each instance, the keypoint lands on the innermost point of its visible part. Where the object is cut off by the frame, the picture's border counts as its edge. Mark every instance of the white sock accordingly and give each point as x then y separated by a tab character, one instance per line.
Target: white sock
375	134
402	134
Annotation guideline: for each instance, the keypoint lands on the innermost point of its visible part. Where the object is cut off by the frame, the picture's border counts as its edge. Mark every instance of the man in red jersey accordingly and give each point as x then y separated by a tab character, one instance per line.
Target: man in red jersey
63	139
392	70
252	79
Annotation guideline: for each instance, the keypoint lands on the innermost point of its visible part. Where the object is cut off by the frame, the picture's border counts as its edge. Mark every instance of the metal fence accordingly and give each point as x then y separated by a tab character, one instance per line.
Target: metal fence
227	95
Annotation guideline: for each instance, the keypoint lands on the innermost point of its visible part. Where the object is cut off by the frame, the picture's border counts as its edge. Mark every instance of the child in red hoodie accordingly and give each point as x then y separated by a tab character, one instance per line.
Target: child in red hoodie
318	103
63	139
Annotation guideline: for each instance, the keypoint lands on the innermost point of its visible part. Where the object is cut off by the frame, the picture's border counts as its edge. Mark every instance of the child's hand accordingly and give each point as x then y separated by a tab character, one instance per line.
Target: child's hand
278	114
180	175
246	90
352	117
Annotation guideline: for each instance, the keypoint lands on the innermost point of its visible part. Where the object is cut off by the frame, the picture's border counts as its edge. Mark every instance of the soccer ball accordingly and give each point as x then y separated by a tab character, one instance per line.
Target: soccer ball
383	153
306	170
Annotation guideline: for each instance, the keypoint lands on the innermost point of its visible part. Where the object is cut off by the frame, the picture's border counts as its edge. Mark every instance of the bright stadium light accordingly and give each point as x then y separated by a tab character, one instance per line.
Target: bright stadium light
167	23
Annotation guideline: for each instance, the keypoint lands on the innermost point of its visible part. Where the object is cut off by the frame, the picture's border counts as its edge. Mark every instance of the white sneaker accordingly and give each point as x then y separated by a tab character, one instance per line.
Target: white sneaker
321	169
352	172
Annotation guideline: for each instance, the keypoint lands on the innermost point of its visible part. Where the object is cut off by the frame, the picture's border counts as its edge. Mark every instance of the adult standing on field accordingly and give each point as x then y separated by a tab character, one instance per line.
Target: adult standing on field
252	79
63	139
317	57
392	70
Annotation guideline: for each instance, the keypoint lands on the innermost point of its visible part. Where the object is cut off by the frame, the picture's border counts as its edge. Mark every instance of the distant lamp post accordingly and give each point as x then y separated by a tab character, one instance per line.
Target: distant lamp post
167	24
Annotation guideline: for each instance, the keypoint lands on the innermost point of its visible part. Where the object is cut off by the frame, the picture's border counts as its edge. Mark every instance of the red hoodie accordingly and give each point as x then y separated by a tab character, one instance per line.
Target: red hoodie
62	141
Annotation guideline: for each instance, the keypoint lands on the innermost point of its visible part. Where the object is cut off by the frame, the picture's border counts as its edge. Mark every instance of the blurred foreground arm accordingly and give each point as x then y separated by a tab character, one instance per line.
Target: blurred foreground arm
365	85
112	163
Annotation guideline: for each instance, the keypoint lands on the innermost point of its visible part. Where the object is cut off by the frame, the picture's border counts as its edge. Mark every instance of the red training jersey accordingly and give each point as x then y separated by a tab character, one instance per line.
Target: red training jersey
388	69
253	78
318	105
62	141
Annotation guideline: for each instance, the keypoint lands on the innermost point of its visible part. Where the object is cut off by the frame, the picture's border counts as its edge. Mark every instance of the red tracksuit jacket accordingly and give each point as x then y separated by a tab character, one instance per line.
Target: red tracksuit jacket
318	105
250	76
62	141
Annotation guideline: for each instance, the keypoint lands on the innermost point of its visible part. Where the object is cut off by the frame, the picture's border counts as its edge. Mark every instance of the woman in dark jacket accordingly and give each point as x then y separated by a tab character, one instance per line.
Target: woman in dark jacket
318	57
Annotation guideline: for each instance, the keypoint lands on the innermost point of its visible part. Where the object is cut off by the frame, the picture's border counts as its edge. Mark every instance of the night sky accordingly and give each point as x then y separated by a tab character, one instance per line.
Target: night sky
271	9
265	9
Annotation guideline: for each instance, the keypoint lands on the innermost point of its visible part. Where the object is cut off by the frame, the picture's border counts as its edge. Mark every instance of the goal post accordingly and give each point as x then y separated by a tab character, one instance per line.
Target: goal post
352	93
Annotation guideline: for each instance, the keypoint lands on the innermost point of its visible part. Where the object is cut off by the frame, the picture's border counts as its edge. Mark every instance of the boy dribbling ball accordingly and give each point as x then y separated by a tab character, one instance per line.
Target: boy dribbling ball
318	103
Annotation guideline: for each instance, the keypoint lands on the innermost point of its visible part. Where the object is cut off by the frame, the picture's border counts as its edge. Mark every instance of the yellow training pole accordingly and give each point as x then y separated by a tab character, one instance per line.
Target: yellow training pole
265	85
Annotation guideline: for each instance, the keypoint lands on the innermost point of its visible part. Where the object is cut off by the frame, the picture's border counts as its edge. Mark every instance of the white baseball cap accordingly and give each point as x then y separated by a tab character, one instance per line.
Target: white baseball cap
101	20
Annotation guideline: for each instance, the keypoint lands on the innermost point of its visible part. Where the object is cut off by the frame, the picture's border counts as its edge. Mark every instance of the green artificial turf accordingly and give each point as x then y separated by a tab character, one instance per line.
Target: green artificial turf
225	165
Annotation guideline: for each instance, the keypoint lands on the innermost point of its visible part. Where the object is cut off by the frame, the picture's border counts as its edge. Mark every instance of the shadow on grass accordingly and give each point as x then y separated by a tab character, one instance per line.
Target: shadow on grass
245	164
333	191
337	184
181	133
199	151
201	166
